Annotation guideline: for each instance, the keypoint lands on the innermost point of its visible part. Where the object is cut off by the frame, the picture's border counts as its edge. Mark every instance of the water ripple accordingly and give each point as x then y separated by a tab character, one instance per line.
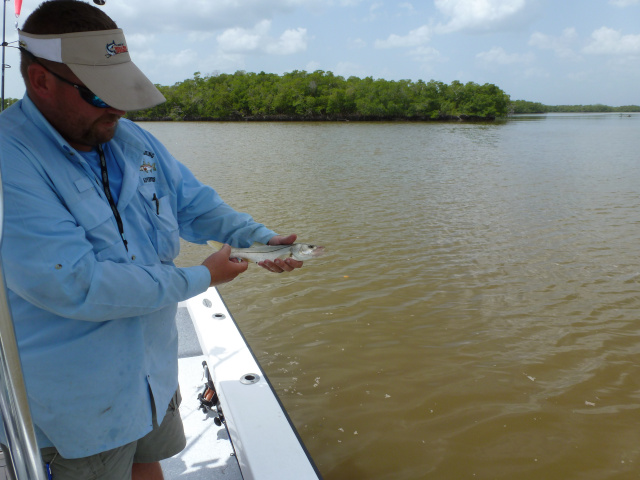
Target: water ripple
476	313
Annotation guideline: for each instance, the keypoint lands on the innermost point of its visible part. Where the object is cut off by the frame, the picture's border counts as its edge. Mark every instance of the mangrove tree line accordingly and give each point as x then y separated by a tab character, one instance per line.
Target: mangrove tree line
300	95
320	95
523	106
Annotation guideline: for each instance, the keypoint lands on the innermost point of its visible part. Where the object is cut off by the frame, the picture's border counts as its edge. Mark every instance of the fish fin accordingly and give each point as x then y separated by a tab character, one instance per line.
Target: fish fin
215	245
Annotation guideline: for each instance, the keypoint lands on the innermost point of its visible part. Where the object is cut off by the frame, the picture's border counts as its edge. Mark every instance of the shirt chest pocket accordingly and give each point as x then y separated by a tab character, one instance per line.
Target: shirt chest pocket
94	215
165	235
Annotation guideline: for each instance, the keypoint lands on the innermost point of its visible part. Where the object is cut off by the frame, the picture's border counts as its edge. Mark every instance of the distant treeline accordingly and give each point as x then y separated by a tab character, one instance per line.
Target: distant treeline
321	95
523	106
9	101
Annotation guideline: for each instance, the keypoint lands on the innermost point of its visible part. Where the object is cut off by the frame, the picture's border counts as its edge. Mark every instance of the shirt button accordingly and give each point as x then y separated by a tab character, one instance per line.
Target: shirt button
133	257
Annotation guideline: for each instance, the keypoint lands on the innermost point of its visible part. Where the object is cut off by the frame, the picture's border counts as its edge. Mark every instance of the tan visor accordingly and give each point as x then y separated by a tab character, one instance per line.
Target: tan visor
101	60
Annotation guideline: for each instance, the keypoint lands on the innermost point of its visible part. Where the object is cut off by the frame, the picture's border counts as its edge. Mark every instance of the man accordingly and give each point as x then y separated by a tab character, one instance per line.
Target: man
94	208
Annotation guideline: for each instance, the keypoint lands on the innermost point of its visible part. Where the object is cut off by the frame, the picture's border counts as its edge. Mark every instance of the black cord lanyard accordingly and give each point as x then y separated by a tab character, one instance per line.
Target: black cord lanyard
107	192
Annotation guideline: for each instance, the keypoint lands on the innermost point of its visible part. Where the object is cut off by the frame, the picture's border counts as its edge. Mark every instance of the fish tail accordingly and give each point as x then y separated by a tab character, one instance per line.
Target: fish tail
215	245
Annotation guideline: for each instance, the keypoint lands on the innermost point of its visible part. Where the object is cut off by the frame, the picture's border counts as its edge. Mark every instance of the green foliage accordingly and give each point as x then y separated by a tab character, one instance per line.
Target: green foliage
9	101
321	95
522	106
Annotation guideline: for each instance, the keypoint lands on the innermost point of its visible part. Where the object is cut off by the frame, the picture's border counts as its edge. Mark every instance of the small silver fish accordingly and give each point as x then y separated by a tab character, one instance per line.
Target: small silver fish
259	252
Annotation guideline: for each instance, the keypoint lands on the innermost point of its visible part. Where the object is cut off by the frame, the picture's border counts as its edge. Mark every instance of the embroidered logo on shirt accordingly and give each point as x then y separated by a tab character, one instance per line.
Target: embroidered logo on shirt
147	169
114	48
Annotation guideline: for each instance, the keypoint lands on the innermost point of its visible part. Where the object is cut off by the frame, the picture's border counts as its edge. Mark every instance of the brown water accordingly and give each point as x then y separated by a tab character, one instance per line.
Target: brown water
477	313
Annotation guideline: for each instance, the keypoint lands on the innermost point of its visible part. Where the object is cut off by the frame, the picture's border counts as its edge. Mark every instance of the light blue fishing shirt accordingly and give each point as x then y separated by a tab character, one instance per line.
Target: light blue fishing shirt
95	323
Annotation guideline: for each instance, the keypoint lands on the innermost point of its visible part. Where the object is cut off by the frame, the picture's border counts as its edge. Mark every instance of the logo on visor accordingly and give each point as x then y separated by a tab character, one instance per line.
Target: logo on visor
114	48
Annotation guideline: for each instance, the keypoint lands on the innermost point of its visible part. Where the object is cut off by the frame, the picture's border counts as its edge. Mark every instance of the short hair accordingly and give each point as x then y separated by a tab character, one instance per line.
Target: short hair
63	16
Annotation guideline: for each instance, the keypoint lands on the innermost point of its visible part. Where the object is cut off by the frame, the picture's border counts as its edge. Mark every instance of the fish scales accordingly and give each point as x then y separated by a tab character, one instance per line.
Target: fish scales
260	252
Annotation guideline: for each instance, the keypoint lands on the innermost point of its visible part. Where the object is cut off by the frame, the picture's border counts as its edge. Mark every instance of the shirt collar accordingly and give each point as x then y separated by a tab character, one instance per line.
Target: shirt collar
32	113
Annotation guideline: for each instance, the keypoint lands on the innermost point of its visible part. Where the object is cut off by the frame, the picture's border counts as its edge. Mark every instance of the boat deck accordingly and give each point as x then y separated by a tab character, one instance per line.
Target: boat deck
208	454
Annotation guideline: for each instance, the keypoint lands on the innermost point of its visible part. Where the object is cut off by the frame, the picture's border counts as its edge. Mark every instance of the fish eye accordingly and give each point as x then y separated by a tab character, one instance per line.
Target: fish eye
312	246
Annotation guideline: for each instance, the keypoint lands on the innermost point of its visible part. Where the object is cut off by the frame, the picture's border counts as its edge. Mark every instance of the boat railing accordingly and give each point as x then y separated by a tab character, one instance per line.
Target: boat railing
266	443
24	455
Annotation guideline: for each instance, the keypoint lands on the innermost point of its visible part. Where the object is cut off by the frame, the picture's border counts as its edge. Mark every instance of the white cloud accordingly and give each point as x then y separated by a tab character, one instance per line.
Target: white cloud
425	54
290	42
138	41
407	7
498	55
184	58
347	3
198	37
197	15
374	8
536	73
312	66
242	40
477	14
258	40
416	37
356	43
607	41
624	3
560	45
349	69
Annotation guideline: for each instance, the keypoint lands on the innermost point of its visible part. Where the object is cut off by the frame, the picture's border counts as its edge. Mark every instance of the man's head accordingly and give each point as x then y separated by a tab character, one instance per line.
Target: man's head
77	69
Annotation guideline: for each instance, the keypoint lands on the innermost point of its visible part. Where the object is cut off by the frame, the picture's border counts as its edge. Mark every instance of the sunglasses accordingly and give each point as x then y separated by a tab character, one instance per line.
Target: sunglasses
86	94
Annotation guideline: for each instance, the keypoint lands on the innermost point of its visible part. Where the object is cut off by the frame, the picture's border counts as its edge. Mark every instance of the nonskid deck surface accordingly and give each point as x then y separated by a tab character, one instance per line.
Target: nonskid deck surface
208	454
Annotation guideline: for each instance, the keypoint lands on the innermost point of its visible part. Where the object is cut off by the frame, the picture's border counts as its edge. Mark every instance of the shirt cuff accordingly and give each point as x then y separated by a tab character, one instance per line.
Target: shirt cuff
198	280
264	235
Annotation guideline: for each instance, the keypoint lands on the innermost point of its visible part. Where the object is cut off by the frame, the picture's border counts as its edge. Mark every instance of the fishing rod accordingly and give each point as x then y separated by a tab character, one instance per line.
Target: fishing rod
4	46
18	6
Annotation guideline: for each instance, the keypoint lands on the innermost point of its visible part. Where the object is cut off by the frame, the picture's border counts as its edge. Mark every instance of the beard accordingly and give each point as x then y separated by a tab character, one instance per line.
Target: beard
85	135
101	131
83	126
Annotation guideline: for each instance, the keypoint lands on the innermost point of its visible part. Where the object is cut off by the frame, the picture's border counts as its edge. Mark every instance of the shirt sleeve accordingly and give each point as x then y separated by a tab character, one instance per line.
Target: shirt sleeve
203	216
49	261
201	212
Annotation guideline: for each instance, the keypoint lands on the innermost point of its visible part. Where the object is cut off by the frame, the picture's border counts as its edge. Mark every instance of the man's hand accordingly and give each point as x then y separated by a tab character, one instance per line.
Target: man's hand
279	265
222	268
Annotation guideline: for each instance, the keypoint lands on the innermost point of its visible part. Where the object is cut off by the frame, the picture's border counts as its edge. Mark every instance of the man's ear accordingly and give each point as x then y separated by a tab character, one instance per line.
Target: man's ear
40	81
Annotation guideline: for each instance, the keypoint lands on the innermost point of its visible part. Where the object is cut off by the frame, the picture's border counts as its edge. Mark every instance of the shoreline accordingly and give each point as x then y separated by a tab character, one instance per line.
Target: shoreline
319	118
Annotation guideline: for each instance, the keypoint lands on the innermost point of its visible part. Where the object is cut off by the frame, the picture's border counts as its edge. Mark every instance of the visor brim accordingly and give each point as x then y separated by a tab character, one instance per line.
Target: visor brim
122	86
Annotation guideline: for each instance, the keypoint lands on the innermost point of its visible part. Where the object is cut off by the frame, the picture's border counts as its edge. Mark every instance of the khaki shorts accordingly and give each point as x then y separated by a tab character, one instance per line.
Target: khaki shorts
164	441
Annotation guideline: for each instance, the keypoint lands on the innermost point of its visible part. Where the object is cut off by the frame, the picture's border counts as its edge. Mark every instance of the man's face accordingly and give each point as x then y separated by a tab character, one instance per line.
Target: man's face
80	123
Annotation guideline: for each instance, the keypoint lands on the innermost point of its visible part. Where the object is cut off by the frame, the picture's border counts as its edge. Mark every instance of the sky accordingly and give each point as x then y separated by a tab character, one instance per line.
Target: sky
556	52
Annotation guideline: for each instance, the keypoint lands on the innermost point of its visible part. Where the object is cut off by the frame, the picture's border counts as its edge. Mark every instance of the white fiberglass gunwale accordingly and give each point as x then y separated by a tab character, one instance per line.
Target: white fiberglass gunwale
267	445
